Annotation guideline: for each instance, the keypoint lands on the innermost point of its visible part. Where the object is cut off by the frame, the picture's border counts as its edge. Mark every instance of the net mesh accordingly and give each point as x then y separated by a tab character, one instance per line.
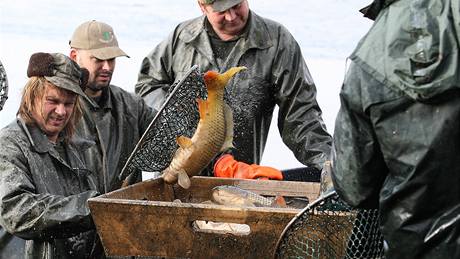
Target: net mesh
178	116
3	86
328	228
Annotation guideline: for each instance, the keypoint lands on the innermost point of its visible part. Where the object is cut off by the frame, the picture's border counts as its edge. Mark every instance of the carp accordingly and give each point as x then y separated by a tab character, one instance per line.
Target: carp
213	134
235	196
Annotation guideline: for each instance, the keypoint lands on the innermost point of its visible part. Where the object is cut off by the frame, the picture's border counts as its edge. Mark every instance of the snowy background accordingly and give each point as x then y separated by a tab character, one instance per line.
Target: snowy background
327	31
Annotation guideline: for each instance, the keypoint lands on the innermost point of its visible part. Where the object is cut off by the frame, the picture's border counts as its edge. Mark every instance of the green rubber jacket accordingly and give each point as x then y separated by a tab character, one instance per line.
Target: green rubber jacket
112	130
43	198
397	134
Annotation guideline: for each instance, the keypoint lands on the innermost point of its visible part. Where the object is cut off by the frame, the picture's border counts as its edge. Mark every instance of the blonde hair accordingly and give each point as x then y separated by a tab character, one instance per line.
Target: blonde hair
33	93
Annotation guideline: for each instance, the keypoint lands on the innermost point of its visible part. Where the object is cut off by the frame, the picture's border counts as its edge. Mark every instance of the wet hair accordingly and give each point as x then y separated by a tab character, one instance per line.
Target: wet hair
33	93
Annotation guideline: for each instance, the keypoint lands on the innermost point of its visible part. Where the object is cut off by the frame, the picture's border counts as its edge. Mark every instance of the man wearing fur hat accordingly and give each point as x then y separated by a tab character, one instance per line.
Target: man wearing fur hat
44	184
113	119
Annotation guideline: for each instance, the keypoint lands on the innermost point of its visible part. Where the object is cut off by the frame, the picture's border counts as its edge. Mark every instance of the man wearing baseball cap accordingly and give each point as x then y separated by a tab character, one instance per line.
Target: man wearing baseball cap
113	119
98	38
229	34
44	184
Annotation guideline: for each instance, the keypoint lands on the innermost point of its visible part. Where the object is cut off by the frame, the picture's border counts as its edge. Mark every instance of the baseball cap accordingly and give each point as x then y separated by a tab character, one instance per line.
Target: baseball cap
98	38
221	5
58	69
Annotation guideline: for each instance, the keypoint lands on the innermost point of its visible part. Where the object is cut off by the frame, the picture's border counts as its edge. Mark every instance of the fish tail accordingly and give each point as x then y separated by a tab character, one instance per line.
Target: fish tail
180	177
279	201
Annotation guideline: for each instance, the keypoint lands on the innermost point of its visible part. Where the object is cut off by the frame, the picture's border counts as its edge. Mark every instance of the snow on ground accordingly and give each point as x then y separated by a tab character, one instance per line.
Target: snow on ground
327	31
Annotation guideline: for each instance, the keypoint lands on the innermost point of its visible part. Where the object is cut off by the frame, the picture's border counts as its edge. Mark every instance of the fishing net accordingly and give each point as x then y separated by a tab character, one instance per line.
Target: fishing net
177	116
329	228
3	86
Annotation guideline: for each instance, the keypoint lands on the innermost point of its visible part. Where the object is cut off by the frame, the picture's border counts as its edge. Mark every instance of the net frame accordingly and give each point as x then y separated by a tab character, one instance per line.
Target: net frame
178	116
329	228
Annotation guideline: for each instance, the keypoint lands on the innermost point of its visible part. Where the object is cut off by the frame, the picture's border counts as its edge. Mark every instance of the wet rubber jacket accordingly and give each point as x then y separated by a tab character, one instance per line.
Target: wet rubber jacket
397	134
43	198
112	130
277	74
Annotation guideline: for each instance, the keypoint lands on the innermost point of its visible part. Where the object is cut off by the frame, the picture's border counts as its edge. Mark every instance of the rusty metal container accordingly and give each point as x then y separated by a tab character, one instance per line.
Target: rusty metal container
147	219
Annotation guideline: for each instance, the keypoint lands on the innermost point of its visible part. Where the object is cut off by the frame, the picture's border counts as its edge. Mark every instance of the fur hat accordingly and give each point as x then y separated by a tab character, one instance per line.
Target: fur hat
60	70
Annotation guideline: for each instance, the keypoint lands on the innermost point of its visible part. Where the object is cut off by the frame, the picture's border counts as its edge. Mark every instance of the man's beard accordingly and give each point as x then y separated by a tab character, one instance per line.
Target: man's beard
96	87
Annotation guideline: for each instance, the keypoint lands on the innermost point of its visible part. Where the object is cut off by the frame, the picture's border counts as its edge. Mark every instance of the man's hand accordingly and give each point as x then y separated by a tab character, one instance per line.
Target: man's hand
228	167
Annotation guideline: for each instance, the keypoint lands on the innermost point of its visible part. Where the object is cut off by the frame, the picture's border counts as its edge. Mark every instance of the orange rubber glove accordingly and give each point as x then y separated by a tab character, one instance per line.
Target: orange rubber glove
227	166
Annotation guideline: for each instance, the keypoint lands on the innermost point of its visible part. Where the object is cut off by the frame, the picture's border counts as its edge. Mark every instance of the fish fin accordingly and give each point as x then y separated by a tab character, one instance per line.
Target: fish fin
202	108
228	115
184	142
279	201
183	179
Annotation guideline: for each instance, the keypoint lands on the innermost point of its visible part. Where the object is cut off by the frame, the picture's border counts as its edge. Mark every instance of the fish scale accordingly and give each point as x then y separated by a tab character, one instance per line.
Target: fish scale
259	199
213	129
194	154
232	195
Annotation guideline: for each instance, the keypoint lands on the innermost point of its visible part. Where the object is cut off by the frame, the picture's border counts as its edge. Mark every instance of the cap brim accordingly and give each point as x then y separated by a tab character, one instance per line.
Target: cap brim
65	84
108	53
220	6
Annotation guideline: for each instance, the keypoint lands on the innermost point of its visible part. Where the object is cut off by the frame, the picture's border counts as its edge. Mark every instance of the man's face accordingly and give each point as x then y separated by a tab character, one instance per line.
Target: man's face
53	111
100	71
229	23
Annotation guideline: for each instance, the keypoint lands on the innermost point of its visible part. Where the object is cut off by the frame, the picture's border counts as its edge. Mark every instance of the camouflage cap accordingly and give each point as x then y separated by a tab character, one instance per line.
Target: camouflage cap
221	5
60	70
98	38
